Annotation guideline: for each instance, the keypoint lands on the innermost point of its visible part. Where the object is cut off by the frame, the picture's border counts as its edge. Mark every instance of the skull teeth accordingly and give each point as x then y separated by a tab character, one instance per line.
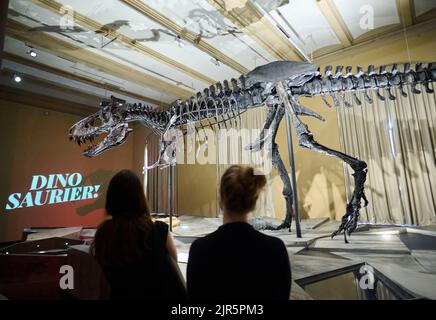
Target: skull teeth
83	140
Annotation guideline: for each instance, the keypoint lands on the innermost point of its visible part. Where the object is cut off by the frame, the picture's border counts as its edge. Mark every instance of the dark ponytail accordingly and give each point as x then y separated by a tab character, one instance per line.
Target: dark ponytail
123	239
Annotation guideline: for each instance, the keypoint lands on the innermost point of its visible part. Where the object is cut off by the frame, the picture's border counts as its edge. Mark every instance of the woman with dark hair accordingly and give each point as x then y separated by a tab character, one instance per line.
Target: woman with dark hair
236	261
137	256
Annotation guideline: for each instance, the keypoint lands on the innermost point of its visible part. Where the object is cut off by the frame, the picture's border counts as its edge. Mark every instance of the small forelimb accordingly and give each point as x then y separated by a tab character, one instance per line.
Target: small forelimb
303	111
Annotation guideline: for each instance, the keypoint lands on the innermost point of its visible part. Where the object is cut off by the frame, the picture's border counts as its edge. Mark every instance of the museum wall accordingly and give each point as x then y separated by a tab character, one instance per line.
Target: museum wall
138	138
319	178
34	142
197	190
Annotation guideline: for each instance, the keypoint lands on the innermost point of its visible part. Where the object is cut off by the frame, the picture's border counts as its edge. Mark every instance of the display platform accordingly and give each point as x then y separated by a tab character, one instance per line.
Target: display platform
402	259
403	255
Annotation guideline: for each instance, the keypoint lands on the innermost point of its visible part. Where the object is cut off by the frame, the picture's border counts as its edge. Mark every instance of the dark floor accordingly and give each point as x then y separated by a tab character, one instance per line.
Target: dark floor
319	253
418	241
185	239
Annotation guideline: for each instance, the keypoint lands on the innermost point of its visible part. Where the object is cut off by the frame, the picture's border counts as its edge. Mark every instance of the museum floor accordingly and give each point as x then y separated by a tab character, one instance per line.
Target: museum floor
379	263
404	257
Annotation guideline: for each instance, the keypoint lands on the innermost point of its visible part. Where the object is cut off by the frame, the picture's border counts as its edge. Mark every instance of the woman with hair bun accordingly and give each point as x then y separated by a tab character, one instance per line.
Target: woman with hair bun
237	262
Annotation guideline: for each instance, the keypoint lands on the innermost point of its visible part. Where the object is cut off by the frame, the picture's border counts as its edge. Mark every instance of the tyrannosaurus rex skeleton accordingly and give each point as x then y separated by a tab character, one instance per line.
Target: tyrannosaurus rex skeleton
277	85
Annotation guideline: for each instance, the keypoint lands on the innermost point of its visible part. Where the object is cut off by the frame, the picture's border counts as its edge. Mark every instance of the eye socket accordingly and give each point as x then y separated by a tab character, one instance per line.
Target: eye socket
96	122
105	114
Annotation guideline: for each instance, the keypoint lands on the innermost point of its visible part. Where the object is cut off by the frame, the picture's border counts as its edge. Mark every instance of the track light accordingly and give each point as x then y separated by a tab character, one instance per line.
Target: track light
179	41
215	61
17	78
32	53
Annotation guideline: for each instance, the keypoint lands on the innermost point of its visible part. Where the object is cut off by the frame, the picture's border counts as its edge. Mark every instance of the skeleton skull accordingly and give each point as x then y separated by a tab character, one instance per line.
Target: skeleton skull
111	119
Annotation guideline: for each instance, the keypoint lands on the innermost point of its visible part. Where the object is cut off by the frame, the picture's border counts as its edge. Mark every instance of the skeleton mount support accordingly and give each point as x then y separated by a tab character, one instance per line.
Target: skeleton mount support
276	85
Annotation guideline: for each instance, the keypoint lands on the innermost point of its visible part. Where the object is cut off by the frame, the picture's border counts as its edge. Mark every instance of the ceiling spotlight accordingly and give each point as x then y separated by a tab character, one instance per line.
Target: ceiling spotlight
30	51
215	61
179	41
17	78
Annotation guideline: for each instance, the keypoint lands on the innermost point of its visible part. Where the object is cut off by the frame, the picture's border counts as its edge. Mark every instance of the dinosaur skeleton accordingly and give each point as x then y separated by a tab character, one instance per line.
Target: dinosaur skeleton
278	86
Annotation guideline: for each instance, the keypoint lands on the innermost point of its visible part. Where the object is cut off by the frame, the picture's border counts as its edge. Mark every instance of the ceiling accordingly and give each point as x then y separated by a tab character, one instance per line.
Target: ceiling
159	51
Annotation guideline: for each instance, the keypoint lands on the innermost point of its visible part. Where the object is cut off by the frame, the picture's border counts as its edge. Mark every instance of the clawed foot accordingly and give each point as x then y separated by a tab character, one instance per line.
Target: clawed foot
345	235
260	224
348	224
283	225
349	220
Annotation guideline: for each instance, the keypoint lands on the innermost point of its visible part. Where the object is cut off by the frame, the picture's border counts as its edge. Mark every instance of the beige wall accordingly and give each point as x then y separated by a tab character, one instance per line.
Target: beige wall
140	133
197	190
319	178
34	141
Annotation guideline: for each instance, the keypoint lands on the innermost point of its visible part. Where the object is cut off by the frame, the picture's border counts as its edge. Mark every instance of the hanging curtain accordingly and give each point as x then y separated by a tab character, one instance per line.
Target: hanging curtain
397	139
252	119
159	182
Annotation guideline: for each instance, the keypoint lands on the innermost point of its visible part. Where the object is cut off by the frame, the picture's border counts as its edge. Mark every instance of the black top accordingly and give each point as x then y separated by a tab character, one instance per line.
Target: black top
153	278
238	262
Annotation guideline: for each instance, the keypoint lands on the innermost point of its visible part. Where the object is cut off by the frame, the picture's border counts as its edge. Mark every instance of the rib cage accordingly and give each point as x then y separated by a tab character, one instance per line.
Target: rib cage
219	102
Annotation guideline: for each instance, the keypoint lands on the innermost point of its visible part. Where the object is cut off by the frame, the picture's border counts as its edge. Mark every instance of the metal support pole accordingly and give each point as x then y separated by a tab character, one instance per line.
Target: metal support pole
170	196
339	117
293	177
217	157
